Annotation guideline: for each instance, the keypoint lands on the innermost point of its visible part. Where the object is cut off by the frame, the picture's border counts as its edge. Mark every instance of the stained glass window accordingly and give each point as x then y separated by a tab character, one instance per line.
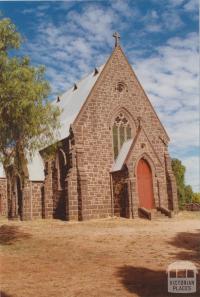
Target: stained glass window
121	132
115	140
128	131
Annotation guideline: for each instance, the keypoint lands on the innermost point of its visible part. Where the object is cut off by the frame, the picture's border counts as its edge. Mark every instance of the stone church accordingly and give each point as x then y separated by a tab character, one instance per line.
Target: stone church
112	159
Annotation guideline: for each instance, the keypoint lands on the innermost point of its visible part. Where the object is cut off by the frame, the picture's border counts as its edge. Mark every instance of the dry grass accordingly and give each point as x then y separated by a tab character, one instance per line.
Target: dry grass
111	257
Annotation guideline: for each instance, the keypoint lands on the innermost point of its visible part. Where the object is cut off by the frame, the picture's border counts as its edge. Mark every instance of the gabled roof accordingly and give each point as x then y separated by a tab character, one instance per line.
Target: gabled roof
71	101
119	162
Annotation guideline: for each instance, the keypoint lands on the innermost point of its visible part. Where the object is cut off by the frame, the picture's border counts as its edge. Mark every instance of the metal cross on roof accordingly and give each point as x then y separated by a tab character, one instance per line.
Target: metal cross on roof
117	37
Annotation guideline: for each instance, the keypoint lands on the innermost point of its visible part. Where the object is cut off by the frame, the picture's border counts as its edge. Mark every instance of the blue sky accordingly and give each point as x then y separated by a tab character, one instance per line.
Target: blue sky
159	37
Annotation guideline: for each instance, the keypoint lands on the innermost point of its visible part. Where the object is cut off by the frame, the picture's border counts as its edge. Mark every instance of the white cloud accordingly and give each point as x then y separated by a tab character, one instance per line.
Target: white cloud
176	2
125	8
192	6
96	23
27	11
171	20
167	20
70	48
170	78
43	6
39	10
153	27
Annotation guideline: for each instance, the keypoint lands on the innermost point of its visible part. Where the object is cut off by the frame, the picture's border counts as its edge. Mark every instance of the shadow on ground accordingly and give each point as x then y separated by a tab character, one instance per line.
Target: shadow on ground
145	282
189	243
10	234
3	294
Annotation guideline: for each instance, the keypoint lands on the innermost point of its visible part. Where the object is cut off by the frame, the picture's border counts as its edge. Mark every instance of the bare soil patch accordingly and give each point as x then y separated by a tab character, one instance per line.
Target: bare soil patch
109	257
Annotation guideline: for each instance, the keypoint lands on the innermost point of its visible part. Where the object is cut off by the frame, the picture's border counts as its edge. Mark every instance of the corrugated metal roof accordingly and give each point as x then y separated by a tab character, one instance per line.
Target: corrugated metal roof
119	162
72	101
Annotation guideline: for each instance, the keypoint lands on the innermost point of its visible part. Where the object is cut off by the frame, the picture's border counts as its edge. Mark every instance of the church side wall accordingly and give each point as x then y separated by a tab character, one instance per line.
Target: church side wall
37	199
60	185
3	197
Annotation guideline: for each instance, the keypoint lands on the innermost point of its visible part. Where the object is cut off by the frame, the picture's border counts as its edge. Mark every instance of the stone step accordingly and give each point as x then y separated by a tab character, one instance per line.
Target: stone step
152	214
156	214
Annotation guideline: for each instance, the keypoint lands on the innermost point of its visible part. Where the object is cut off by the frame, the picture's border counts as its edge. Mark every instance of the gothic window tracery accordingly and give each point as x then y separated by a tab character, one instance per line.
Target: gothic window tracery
121	132
121	86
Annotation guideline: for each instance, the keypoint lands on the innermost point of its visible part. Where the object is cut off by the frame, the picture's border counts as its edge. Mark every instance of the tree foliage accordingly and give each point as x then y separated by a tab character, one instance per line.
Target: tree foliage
185	192
28	121
179	172
196	198
9	37
188	194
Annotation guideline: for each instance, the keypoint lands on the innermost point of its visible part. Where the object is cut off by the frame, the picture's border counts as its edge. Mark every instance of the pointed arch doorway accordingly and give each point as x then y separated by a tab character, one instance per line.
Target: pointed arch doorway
145	185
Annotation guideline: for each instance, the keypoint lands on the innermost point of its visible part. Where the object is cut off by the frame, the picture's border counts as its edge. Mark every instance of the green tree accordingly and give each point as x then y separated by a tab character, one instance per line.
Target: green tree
28	121
179	172
188	194
196	198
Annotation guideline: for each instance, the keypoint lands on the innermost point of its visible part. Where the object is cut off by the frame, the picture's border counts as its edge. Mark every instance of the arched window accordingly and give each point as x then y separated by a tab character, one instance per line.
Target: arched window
121	132
61	169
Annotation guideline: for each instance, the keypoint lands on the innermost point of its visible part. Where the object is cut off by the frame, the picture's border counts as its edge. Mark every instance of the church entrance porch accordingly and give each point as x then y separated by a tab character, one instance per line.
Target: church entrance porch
120	194
145	185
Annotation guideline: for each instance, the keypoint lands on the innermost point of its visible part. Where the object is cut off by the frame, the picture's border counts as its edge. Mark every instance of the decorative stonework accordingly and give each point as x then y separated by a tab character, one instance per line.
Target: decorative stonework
121	86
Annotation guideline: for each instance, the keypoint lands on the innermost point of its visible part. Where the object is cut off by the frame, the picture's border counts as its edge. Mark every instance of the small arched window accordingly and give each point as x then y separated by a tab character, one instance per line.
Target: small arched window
61	169
121	132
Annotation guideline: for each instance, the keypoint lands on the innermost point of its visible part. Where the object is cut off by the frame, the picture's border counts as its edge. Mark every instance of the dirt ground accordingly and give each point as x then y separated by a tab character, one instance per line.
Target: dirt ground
109	257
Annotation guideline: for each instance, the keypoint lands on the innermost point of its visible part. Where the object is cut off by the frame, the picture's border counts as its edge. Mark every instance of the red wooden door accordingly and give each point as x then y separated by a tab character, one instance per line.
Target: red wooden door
145	185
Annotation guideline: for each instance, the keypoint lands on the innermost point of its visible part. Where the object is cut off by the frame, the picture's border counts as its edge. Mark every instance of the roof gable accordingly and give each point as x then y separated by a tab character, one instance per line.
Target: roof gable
72	101
142	138
116	63
130	146
144	93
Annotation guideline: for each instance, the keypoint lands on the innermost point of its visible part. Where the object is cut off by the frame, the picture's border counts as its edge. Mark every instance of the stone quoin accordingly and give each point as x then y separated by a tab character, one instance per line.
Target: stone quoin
112	158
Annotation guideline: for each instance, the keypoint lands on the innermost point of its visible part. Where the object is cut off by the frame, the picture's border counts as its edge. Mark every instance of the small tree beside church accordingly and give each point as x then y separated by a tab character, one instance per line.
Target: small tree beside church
188	194
27	119
179	172
185	192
